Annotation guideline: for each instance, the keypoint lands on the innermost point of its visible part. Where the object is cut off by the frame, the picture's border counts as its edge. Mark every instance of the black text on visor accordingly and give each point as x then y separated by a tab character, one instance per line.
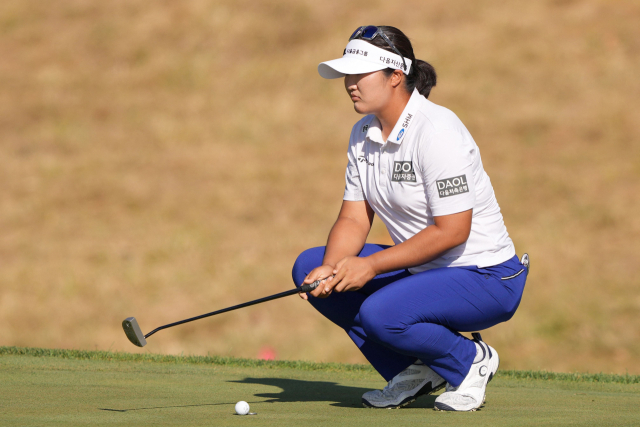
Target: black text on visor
369	32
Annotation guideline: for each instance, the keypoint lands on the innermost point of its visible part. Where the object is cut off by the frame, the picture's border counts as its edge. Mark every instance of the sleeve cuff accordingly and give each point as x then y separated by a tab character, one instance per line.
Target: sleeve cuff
351	196
451	209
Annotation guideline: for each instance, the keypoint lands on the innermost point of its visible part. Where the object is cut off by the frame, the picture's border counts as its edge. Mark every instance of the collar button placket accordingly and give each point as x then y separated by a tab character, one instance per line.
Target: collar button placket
383	165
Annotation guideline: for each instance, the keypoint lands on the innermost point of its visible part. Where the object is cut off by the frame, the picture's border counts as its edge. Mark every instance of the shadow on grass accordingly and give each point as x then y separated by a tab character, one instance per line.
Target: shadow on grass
320	391
298	391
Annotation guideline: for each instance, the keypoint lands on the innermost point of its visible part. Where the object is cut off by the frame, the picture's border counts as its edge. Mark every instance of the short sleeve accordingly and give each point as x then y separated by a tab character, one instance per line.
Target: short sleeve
353	186
447	172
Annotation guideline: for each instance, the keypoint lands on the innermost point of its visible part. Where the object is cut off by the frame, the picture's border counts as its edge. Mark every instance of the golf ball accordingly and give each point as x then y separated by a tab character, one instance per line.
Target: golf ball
242	408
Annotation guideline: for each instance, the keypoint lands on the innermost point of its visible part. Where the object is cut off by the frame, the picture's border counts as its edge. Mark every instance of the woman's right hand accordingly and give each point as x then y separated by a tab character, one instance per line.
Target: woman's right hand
319	273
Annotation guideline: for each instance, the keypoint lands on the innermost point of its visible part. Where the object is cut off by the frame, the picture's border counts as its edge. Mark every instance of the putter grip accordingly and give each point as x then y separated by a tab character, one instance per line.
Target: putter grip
309	287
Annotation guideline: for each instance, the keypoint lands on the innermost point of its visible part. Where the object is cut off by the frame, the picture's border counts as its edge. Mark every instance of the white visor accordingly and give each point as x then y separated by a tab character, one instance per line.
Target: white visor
361	57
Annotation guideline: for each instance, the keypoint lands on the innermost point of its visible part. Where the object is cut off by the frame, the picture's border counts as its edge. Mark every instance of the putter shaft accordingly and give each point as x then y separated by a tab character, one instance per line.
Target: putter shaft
134	334
224	310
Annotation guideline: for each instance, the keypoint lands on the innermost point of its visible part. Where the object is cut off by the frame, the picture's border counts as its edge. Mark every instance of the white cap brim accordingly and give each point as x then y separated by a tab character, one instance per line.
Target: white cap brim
361	57
340	67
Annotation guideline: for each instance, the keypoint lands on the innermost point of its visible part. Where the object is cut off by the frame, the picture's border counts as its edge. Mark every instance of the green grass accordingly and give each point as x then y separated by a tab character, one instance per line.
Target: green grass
73	387
294	364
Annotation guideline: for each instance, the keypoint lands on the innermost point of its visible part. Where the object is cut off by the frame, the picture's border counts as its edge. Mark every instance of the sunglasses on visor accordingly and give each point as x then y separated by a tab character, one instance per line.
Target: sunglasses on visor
369	32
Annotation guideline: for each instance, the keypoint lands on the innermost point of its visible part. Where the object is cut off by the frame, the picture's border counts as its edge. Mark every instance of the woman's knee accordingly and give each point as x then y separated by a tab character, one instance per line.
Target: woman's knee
370	321
379	323
306	261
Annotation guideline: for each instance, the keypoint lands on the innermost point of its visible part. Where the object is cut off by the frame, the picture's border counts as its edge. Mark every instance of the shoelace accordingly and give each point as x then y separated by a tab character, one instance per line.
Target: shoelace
388	388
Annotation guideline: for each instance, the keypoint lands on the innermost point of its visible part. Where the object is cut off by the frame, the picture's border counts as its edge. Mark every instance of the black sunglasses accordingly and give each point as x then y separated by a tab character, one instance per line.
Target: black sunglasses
369	32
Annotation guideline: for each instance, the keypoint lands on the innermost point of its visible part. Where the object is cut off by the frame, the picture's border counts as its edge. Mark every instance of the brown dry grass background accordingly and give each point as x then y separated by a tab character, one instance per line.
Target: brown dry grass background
164	159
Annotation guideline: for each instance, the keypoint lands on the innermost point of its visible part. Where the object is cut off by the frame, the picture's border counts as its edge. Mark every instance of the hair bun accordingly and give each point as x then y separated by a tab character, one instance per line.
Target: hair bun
425	77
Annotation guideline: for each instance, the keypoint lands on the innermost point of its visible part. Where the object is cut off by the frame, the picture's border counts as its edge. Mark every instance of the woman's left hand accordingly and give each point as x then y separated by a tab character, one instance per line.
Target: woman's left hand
351	274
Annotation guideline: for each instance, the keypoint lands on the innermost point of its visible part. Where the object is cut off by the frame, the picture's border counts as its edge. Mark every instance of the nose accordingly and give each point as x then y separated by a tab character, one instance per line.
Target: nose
350	81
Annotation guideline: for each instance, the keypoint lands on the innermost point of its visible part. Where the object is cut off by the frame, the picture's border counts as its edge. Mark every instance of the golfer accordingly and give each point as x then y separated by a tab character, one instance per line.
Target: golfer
453	267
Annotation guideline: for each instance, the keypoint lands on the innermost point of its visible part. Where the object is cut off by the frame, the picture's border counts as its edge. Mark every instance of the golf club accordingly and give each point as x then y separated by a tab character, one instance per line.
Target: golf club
134	333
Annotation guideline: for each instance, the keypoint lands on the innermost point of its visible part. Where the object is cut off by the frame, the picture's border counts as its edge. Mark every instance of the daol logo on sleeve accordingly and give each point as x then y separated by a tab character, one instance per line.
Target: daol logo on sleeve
452	186
403	171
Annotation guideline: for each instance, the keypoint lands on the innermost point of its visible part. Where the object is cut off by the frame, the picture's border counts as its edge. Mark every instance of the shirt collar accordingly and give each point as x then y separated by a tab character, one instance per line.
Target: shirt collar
408	114
374	132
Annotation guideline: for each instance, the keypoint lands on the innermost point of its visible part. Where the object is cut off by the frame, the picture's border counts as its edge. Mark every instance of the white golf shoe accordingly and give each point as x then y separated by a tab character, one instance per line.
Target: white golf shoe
470	394
404	388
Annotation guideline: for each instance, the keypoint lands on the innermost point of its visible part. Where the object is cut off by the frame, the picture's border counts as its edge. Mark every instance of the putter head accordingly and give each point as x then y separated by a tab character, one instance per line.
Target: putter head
135	335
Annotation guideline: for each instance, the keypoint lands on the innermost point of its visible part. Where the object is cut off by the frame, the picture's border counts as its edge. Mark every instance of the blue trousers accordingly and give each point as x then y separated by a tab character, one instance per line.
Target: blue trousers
399	317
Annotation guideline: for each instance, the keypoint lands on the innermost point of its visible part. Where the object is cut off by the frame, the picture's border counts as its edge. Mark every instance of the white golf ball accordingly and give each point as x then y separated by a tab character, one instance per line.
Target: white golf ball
242	408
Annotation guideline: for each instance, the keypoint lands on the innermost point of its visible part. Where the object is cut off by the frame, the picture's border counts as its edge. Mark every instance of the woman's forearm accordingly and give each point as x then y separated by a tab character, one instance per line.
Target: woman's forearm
447	233
347	238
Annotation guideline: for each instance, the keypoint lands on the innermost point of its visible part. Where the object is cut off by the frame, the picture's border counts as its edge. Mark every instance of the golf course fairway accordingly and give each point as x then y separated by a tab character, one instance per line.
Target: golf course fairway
43	387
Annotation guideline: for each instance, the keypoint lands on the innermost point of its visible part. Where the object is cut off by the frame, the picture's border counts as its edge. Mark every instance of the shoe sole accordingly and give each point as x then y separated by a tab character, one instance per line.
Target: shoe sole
426	389
442	407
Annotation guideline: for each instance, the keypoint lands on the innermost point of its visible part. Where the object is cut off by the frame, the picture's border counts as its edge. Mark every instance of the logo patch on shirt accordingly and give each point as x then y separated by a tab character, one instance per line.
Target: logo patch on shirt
365	128
362	159
452	186
403	171
400	134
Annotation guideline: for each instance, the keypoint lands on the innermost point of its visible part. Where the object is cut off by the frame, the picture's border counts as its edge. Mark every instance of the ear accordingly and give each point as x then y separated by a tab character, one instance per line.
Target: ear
396	78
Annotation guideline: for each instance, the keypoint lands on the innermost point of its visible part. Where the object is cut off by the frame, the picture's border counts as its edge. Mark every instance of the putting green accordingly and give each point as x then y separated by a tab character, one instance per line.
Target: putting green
100	388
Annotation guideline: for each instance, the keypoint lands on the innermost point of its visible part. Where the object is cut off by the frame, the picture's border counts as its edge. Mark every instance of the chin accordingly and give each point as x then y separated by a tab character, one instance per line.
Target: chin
360	109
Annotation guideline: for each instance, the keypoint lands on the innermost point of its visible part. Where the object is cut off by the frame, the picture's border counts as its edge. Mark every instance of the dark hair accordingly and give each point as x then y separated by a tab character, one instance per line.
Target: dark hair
422	75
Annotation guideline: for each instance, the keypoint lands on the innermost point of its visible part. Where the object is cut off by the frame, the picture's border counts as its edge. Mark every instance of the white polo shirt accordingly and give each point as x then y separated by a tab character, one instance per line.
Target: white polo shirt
428	166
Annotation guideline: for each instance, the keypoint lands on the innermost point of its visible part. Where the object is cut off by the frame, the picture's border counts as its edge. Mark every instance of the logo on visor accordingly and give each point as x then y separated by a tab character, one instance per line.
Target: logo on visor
452	186
356	52
403	171
390	61
400	134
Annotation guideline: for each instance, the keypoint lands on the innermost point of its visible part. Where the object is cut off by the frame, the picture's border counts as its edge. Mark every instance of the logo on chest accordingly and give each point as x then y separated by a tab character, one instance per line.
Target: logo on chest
452	186
403	171
362	159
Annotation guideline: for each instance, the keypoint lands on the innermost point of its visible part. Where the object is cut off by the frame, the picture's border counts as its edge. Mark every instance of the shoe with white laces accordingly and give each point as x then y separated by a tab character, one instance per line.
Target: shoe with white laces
404	388
470	394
